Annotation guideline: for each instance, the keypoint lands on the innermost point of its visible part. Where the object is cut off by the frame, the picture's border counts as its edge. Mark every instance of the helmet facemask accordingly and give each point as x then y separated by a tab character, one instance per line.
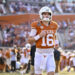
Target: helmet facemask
46	18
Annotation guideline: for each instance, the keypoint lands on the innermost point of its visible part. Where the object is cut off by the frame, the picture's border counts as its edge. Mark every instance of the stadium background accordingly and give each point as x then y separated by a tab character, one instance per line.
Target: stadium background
17	15
23	12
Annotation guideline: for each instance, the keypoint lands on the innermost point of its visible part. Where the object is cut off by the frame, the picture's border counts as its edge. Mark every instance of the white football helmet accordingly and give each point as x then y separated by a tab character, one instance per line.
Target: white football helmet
28	46
45	9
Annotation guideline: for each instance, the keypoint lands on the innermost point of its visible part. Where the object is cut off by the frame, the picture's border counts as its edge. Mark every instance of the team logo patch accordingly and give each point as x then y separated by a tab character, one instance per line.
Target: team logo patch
41	27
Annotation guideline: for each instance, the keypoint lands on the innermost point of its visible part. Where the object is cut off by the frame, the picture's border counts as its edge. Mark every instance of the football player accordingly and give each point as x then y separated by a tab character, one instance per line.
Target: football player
32	54
25	57
43	33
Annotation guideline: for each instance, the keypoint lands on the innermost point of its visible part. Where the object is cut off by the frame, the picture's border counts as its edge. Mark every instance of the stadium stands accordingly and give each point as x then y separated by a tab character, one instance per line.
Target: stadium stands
32	6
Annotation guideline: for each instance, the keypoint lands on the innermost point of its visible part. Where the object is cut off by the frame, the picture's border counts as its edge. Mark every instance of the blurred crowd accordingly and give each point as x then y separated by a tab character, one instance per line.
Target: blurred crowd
32	6
67	33
21	7
15	35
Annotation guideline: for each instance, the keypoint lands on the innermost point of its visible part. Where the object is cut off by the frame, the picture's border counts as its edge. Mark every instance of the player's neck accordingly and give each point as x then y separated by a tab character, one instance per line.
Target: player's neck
46	23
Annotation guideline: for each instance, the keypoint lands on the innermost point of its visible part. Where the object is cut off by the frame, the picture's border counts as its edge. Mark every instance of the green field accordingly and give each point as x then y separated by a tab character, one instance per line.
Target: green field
61	73
64	72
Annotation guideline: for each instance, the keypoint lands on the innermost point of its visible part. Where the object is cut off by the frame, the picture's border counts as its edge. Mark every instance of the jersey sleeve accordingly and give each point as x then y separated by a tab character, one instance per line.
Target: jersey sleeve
56	25
33	25
33	29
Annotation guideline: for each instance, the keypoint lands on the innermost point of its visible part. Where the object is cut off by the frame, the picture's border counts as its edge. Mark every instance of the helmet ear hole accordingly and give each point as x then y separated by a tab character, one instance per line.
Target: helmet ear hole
50	14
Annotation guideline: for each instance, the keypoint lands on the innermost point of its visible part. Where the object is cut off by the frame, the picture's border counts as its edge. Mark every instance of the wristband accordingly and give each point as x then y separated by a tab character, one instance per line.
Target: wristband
37	37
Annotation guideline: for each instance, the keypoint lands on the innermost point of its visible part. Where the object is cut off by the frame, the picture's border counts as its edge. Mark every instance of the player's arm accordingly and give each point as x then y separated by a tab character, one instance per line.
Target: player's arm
33	37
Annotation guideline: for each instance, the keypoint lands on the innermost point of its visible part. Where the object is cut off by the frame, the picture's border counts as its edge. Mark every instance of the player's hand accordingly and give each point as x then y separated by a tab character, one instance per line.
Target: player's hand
31	40
43	33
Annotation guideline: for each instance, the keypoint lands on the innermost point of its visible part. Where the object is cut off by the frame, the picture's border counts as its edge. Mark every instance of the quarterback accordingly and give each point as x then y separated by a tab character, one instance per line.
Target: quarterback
43	32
